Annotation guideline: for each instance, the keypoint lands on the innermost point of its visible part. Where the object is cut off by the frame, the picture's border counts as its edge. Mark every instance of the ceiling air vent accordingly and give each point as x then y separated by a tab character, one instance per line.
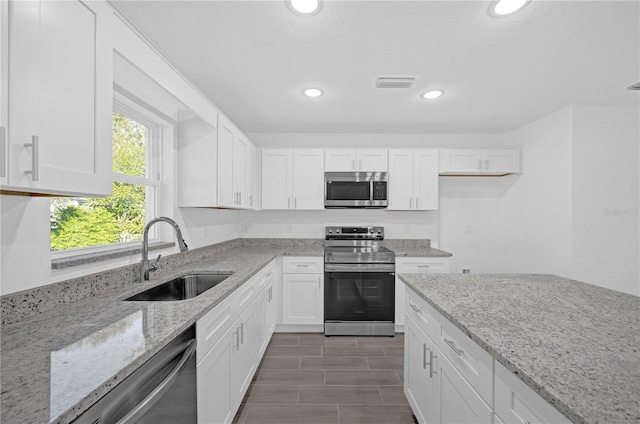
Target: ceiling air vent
635	86
395	81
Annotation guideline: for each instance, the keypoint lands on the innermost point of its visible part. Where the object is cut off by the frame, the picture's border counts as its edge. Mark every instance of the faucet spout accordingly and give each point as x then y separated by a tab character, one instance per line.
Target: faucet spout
144	263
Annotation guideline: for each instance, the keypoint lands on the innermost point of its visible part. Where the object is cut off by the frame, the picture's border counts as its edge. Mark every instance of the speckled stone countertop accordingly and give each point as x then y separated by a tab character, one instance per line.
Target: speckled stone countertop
575	344
417	248
57	363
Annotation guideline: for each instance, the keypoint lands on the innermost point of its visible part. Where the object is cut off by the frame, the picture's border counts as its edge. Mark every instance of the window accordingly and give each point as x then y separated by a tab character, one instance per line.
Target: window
119	218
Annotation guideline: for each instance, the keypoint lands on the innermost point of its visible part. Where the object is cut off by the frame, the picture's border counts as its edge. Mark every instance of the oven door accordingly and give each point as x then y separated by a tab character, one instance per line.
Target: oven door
365	295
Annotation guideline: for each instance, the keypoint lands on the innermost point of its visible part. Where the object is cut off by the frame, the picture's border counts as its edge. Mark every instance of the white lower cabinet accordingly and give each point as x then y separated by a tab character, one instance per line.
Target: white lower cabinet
232	338
302	290
450	379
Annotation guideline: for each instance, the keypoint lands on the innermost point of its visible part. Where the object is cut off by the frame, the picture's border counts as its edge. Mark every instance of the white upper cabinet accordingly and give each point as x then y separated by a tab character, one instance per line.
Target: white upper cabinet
59	95
479	162
250	181
234	156
365	160
293	179
413	179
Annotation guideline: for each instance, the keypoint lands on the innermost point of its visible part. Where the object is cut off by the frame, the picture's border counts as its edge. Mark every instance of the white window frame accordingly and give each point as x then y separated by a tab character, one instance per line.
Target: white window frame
153	179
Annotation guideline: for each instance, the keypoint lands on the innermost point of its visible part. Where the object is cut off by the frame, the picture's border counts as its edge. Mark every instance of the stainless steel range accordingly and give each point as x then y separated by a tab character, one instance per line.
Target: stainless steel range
359	282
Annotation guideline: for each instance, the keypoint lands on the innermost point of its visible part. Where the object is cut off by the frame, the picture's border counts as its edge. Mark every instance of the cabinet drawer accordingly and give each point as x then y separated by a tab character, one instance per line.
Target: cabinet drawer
427	265
302	265
243	297
422	313
264	276
211	327
474	363
517	403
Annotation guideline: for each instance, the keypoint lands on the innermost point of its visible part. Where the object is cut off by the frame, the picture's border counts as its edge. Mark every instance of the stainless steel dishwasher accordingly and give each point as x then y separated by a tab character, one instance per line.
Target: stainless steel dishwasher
162	390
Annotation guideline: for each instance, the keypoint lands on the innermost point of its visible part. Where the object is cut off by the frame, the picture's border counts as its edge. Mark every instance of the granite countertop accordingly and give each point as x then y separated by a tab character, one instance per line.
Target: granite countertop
414	247
57	363
575	344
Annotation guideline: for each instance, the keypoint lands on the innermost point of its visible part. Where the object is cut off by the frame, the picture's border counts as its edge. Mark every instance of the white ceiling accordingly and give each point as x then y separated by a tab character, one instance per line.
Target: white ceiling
253	58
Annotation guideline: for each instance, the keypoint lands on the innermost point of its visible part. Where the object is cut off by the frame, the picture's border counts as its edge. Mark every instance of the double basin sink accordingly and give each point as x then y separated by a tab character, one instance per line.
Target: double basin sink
184	287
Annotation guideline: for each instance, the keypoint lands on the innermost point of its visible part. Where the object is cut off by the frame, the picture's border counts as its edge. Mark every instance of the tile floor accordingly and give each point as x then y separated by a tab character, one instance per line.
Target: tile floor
310	378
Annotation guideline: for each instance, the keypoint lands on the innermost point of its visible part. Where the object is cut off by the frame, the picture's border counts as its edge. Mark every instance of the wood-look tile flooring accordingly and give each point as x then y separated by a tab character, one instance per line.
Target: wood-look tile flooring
310	378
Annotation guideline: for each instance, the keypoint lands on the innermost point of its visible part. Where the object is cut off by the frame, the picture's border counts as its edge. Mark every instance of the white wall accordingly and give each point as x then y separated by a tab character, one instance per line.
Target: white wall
605	250
536	210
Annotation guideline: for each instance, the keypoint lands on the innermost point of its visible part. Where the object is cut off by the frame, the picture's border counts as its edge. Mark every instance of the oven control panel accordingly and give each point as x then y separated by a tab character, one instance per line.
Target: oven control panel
354	233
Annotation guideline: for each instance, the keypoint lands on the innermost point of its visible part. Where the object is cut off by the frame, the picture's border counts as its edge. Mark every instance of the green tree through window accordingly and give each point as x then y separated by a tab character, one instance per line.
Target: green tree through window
79	222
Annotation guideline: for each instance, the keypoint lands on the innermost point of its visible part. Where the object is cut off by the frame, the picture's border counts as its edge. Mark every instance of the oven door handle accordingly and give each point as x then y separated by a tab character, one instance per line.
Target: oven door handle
333	267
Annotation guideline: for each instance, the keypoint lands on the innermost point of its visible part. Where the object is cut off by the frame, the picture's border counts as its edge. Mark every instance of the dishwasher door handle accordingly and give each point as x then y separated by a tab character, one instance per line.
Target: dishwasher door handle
140	409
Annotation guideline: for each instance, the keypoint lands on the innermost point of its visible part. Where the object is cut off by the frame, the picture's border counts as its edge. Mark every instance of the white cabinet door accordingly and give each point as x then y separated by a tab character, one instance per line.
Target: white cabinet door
4	82
340	160
244	358
462	161
59	52
459	403
240	171
425	179
271	308
214	376
413	179
420	380
400	307
501	161
250	182
226	136
401	179
277	179
302	299
372	160
308	179
260	333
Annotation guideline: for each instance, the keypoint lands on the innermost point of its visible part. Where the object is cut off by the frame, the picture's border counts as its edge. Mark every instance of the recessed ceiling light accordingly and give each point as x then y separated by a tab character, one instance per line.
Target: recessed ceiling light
304	7
433	94
312	92
501	8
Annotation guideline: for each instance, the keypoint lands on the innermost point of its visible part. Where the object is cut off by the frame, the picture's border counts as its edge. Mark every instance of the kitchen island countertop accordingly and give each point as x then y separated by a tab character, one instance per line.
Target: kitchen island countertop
577	345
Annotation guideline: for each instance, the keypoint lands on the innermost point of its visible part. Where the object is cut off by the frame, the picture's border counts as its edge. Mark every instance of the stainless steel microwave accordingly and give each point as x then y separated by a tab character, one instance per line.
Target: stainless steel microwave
356	190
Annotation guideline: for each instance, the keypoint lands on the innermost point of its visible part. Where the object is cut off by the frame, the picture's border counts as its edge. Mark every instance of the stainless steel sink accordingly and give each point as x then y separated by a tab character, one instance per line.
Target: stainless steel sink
181	288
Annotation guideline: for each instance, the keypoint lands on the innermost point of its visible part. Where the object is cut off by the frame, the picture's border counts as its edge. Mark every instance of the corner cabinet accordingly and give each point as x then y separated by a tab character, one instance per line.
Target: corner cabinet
496	162
365	160
57	53
292	179
448	378
413	179
235	165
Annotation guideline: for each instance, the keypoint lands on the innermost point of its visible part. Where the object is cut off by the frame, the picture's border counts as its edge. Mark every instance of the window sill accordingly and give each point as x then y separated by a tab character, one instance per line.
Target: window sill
90	258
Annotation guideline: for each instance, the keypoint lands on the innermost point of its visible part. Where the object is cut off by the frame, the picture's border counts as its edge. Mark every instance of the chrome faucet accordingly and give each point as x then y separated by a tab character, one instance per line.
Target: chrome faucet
145	269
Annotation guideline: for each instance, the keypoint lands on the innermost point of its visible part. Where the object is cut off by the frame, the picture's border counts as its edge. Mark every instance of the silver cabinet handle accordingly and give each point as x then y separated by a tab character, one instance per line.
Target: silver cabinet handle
431	358
423	266
319	283
417	203
143	407
237	339
480	164
270	294
415	308
251	200
35	175
3	152
295	203
453	346
410	202
424	355
242	333
239	198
